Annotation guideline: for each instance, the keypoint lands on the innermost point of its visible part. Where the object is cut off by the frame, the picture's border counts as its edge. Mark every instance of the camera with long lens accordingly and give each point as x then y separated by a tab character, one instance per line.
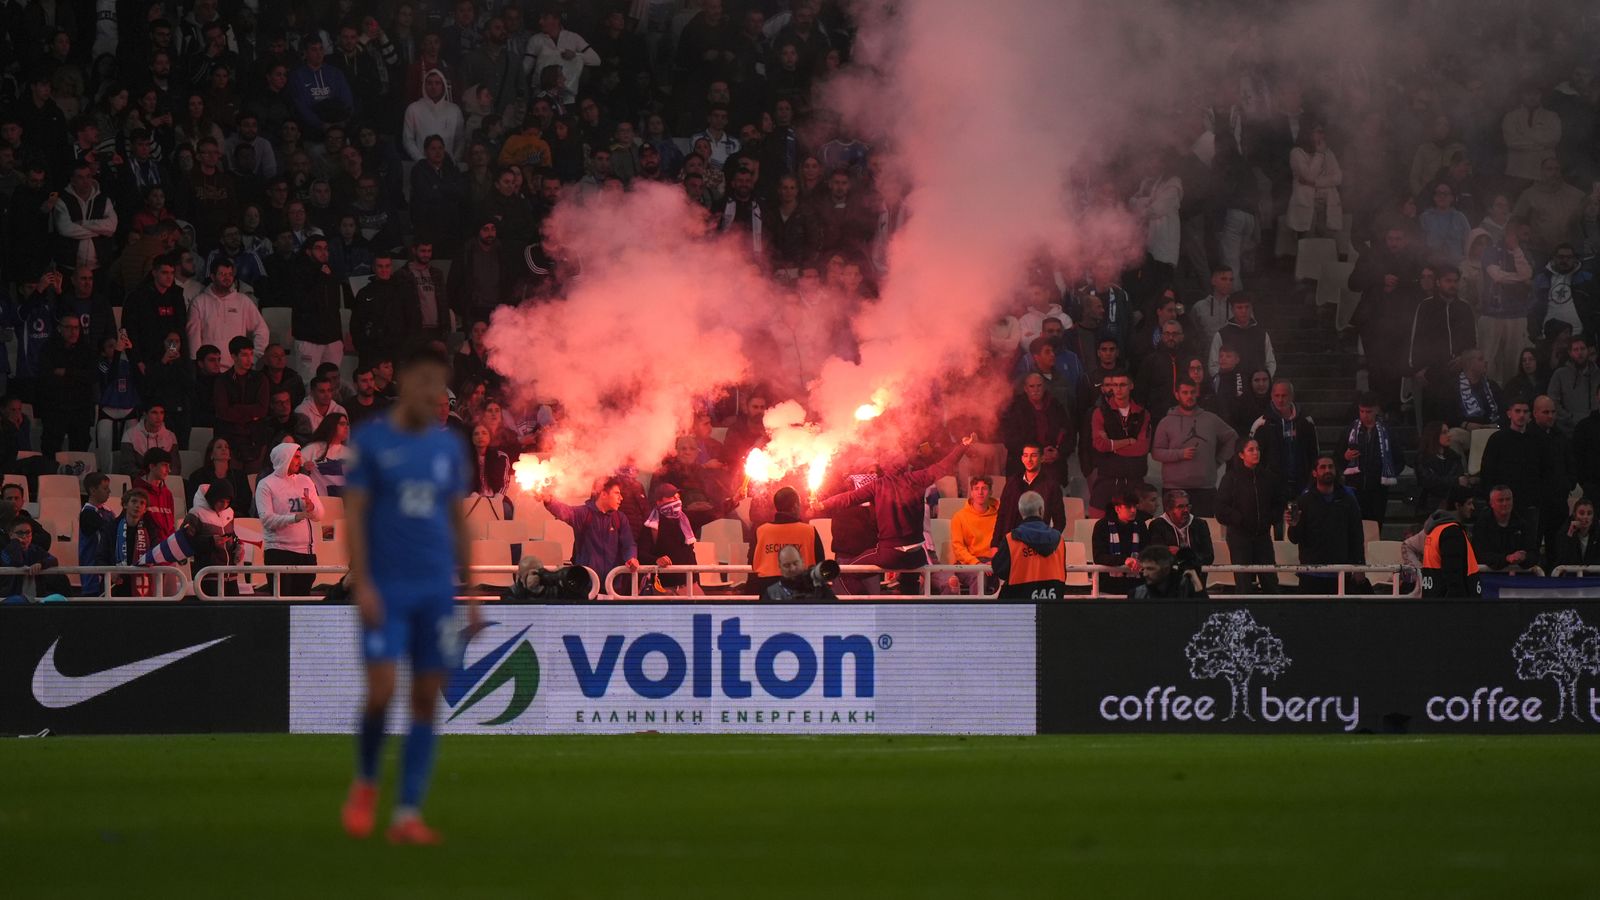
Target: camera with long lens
535	582
824	573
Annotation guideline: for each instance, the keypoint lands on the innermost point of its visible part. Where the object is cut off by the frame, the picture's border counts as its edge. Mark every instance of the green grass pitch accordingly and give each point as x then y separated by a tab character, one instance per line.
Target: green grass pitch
719	816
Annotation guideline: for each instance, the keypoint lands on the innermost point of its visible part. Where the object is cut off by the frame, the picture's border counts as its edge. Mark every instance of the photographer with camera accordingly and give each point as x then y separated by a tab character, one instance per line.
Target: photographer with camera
799	581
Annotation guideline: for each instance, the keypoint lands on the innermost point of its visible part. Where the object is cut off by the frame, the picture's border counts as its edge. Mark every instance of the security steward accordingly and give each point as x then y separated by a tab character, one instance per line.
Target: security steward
1449	566
1031	560
785	530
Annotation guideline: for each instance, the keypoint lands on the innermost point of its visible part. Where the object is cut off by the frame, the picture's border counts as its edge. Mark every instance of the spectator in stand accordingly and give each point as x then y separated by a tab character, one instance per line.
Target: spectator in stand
1531	134
153	310
1206	317
152	480
66	396
1441	329
1182	532
1249	502
1191	443
667	538
321	95
1387	276
316	324
1030	474
1478	402
1227	393
240	399
1506	535
218	464
1507	302
152	434
96	525
1444	228
1314	207
602	539
1586	452
1030	559
972	531
1552	209
1573	386
381	321
86	301
324	455
282	422
1116	541
319	403
1161	371
21	552
1432	154
1372	461
1244	334
1119	432
1557	470
1060	370
1035	418
1514	455
1575	545
1531	380
289	508
281	377
366	402
433	117
1288	439
1326	522
85	222
1565	292
1440	469
220	313
897	501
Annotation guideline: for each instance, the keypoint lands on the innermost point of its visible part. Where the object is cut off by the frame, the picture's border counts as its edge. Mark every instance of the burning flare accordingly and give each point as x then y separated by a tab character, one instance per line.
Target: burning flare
533	474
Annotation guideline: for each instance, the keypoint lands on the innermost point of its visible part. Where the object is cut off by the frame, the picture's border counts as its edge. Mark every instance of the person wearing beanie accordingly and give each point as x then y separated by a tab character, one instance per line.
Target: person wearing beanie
667	538
785	530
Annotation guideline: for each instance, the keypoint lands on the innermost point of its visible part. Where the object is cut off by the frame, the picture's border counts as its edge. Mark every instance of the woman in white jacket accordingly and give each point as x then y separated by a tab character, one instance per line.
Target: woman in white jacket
1314	201
434	113
289	508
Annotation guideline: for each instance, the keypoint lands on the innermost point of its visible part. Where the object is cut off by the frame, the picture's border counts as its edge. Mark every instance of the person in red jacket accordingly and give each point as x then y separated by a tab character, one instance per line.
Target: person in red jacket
898	505
153	481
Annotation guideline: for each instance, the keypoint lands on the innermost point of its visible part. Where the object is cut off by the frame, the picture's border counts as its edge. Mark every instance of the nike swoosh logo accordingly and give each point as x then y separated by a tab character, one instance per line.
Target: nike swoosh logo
54	690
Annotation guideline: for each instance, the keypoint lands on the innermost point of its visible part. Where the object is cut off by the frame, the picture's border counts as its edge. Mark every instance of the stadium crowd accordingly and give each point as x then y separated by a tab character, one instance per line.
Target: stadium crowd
229	219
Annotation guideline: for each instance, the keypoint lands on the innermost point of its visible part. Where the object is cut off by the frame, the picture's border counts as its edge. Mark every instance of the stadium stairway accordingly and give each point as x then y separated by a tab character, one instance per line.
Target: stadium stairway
1324	372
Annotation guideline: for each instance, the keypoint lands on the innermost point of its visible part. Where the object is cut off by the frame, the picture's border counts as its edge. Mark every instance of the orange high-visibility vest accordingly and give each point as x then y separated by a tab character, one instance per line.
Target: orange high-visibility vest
1027	566
772	537
1430	550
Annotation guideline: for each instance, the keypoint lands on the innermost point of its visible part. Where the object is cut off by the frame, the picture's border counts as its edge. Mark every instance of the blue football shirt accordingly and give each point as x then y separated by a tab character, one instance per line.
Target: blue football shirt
411	480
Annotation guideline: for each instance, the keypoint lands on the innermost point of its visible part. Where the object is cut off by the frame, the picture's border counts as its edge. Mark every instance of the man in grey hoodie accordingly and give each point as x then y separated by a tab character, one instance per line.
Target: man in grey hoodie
1191	444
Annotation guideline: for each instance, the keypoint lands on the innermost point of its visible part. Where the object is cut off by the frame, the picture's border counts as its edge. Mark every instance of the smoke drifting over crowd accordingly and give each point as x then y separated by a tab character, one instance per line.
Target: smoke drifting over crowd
1001	136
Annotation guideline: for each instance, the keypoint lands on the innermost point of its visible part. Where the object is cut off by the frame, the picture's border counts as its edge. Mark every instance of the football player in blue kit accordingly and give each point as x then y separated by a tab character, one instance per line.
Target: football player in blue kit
407	544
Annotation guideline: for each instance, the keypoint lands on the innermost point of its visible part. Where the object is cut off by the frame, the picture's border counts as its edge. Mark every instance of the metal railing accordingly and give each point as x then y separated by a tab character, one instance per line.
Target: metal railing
694	589
159	575
1564	571
215	575
1340	573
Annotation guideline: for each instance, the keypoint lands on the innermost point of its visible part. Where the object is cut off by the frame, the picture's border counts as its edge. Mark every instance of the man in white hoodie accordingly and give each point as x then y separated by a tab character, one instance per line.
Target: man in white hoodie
290	509
220	313
434	114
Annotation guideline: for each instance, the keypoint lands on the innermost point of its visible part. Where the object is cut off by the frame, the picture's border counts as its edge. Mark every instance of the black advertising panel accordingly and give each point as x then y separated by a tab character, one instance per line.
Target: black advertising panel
131	669
1328	666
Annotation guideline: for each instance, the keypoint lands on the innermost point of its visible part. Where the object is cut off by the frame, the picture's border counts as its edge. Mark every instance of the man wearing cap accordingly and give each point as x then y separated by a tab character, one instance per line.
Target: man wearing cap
667	538
785	530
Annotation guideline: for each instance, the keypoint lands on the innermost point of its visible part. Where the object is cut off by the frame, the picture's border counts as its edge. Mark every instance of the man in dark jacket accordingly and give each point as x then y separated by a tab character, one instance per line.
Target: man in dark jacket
315	323
1036	419
153	310
1557	470
1515	456
66	388
240	398
1586	452
667	538
1288	439
1507	533
380	321
602	538
1387	276
898	507
1327	526
1160	372
1031	477
1576	545
480	278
